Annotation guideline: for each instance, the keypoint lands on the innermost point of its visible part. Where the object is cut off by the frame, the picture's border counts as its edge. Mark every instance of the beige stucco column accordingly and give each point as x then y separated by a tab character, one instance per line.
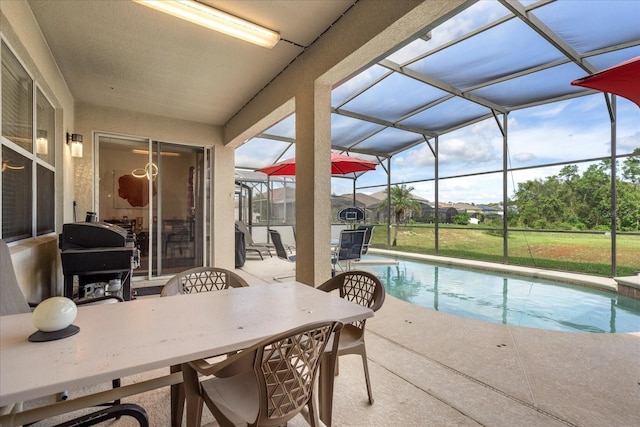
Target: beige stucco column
221	207
313	184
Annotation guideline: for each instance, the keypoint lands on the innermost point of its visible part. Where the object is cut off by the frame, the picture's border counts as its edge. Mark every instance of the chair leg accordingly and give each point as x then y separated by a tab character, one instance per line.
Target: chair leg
363	353
177	399
193	397
194	412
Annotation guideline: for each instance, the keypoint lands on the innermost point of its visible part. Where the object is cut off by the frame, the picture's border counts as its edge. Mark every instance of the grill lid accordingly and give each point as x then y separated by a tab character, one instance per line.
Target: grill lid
84	235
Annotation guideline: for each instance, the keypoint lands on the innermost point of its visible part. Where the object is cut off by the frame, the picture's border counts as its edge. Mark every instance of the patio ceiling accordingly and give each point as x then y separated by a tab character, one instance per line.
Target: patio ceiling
119	54
490	59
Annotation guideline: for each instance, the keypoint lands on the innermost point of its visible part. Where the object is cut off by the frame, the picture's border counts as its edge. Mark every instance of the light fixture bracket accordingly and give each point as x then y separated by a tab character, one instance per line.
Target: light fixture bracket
75	139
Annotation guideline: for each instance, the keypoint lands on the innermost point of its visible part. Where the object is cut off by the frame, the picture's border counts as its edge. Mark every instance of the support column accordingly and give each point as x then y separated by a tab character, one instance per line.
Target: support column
313	184
222	219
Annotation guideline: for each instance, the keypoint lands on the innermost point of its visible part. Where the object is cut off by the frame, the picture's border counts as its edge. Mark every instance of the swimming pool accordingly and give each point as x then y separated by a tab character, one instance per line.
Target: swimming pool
507	299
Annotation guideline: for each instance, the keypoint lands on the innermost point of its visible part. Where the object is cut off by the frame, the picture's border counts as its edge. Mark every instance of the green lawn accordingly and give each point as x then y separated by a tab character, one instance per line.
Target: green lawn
582	253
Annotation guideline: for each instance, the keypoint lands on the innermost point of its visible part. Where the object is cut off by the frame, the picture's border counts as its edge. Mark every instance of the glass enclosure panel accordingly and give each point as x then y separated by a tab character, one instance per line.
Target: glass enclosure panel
533	87
17	101
413	164
283	203
446	115
261	152
389	140
464	65
45	131
470	243
352	86
566	131
260	204
475	148
628	215
583	252
470	215
285	128
347	131
628	254
628	126
567	197
394	97
588	29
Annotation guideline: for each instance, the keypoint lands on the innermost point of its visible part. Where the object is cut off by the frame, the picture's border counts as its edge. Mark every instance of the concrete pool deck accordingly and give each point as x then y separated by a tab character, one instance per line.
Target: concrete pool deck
430	368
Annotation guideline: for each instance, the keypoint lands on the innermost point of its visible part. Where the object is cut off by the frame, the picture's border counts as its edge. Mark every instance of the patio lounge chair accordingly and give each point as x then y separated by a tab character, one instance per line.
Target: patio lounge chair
250	245
266	384
367	237
281	251
349	249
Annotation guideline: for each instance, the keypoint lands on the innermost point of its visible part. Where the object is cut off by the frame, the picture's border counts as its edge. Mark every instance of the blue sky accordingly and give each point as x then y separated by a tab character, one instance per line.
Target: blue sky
569	130
577	129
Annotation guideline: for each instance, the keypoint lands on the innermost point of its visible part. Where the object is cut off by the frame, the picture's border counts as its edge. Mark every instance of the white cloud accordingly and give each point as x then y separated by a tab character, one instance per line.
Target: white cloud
523	157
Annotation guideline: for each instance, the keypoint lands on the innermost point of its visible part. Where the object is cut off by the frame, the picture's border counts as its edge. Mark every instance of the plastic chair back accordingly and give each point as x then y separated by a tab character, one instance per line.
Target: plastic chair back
202	279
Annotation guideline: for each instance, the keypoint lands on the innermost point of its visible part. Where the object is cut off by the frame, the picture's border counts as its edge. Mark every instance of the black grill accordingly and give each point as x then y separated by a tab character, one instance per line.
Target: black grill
96	252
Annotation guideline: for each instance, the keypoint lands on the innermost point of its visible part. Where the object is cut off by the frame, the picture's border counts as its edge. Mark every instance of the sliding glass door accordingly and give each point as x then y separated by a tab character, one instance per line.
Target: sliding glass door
156	191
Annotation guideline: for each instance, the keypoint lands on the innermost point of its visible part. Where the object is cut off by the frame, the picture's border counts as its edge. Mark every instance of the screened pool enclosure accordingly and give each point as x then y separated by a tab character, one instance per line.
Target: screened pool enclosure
479	112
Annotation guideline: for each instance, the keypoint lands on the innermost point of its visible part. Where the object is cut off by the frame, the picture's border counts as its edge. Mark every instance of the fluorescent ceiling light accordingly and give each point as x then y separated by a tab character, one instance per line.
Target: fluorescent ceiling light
214	19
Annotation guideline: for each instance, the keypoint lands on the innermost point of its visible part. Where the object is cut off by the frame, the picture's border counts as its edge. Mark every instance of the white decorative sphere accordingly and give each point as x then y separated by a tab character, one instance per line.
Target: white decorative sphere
54	314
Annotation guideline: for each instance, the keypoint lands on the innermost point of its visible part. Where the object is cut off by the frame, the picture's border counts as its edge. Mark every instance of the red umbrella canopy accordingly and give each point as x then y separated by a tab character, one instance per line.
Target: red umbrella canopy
340	165
622	79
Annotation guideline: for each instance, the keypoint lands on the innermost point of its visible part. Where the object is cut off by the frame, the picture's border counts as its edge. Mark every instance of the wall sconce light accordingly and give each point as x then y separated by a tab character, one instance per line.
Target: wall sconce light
76	144
42	143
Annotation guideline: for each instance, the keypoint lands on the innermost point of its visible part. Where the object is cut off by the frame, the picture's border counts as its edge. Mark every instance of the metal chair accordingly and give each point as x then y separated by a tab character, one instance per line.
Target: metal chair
365	289
266	384
349	249
250	245
367	237
281	252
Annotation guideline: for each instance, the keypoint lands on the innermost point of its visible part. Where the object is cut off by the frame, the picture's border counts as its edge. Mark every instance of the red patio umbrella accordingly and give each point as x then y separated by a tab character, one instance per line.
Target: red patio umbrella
340	165
622	79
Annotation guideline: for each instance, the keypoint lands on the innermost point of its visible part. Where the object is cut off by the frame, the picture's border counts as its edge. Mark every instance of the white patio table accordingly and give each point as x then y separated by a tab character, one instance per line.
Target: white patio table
119	340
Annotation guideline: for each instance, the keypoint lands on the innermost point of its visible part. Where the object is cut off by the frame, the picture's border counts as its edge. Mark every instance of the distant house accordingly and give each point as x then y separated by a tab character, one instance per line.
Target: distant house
427	208
473	210
446	212
363	201
491	211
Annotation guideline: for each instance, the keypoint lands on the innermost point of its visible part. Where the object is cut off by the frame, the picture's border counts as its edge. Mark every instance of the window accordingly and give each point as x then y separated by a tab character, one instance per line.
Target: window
28	154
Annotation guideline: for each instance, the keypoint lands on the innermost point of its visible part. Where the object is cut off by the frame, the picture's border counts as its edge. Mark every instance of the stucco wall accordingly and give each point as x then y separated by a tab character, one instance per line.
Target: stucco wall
36	261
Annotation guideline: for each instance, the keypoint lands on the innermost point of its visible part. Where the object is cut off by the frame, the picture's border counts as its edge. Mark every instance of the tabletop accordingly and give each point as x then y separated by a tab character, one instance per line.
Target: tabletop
118	340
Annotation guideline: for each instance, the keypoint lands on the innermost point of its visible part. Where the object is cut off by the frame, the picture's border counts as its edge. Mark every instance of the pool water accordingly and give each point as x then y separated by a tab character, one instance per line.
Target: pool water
509	300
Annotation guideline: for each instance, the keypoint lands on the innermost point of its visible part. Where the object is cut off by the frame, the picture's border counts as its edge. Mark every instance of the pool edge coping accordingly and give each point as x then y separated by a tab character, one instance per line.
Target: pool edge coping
597	282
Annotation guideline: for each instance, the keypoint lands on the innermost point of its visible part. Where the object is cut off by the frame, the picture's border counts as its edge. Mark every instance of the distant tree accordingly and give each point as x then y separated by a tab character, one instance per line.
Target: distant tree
461	218
631	167
573	201
402	204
